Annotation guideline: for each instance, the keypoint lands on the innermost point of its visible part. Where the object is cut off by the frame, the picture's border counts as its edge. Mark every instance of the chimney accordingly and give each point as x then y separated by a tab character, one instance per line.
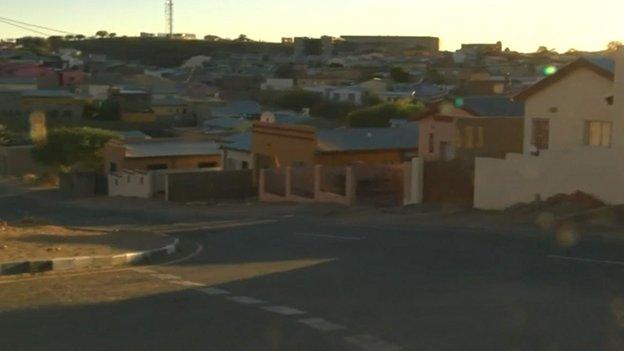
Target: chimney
618	99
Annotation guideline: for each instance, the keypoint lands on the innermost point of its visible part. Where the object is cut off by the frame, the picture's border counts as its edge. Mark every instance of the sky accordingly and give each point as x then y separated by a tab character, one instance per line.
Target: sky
522	25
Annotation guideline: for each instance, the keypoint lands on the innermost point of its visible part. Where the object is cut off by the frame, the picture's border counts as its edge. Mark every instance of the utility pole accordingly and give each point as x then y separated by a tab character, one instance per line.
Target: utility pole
169	17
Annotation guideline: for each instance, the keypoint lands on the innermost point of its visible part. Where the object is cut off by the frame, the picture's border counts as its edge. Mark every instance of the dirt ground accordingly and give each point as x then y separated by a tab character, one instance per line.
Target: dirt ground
39	241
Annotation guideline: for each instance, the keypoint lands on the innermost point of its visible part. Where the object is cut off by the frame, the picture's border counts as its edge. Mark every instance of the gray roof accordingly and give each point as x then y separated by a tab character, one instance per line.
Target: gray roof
240	142
18	80
48	93
169	101
171	148
367	139
606	63
493	106
286	117
132	134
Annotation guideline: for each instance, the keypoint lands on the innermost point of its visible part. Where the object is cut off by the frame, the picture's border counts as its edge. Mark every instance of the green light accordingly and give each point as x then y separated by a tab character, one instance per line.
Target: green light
459	102
550	70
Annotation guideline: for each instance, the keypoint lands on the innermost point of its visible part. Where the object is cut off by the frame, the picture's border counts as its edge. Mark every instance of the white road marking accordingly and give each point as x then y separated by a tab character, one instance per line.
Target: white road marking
283	310
370	343
186	283
321	324
587	260
245	300
329	236
164	276
214	291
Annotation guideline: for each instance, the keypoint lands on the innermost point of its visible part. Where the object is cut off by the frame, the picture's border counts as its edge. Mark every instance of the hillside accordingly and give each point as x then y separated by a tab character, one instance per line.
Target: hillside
169	53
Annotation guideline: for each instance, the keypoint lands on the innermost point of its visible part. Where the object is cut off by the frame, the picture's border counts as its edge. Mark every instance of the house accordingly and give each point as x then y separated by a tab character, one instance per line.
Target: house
572	139
169	107
288	145
236	152
278	84
346	94
18	83
10	103
440	134
572	108
135	105
56	104
284	117
159	154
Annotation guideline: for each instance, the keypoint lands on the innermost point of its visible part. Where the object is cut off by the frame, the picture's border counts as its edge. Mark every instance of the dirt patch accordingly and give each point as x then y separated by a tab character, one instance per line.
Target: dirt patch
38	241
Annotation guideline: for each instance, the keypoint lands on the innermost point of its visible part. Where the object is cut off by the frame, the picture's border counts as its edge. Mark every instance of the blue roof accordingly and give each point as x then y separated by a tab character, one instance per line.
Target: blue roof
493	106
224	123
242	108
240	142
606	63
359	139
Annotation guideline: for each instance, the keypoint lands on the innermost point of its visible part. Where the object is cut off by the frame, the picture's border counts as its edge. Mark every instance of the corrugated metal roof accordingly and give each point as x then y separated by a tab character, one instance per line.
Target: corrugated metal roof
367	139
606	63
240	142
171	148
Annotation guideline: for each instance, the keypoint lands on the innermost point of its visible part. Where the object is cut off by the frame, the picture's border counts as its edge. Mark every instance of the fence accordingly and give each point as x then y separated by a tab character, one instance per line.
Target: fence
380	185
209	185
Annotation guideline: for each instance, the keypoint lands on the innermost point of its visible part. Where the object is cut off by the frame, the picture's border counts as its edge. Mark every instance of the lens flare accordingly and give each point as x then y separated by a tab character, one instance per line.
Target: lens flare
459	102
550	70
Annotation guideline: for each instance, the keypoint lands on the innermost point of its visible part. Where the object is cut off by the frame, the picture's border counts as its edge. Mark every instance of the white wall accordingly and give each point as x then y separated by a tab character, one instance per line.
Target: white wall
519	178
278	84
413	186
233	159
131	184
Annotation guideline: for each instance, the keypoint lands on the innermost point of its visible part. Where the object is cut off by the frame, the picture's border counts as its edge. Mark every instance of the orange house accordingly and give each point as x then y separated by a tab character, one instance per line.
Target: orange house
289	145
146	155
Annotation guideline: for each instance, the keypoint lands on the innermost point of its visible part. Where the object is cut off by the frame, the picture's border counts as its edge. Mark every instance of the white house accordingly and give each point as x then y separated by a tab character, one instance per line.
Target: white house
573	139
347	94
278	84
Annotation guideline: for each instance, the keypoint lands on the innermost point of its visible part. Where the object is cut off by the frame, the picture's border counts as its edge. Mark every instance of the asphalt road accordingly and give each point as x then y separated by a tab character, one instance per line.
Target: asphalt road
308	283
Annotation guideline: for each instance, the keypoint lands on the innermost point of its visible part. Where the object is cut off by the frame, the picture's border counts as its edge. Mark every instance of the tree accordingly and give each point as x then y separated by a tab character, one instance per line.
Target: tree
101	34
109	111
80	37
285	71
112	35
5	135
380	115
70	37
435	77
243	38
399	75
74	148
614	45
298	99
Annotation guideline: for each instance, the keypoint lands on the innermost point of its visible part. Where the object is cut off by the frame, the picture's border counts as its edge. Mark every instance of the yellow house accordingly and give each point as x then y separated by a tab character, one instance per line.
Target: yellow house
56	104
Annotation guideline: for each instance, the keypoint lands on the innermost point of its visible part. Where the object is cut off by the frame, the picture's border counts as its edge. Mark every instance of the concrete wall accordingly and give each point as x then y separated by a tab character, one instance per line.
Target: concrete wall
576	98
520	178
18	160
413	181
233	160
131	184
209	185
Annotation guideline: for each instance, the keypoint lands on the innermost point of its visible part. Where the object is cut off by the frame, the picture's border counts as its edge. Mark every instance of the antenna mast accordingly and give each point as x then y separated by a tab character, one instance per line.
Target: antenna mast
169	17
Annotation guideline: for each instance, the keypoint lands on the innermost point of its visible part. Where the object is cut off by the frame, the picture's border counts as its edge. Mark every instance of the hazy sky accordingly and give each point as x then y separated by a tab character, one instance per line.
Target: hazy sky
521	24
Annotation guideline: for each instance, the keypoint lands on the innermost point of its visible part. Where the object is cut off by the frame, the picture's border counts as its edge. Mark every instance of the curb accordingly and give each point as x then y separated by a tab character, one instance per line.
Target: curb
84	262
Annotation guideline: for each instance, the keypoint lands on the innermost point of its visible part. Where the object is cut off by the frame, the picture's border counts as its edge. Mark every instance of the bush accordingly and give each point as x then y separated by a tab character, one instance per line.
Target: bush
68	148
298	99
380	115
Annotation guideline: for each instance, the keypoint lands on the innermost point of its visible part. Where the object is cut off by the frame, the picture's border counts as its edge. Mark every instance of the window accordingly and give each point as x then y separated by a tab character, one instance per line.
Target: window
598	133
155	167
469	137
113	167
245	165
541	131
352	97
141	180
207	165
431	143
128	179
480	138
117	182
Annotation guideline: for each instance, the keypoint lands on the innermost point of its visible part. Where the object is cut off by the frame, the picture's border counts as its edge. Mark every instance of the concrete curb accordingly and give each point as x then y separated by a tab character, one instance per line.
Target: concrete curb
83	262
